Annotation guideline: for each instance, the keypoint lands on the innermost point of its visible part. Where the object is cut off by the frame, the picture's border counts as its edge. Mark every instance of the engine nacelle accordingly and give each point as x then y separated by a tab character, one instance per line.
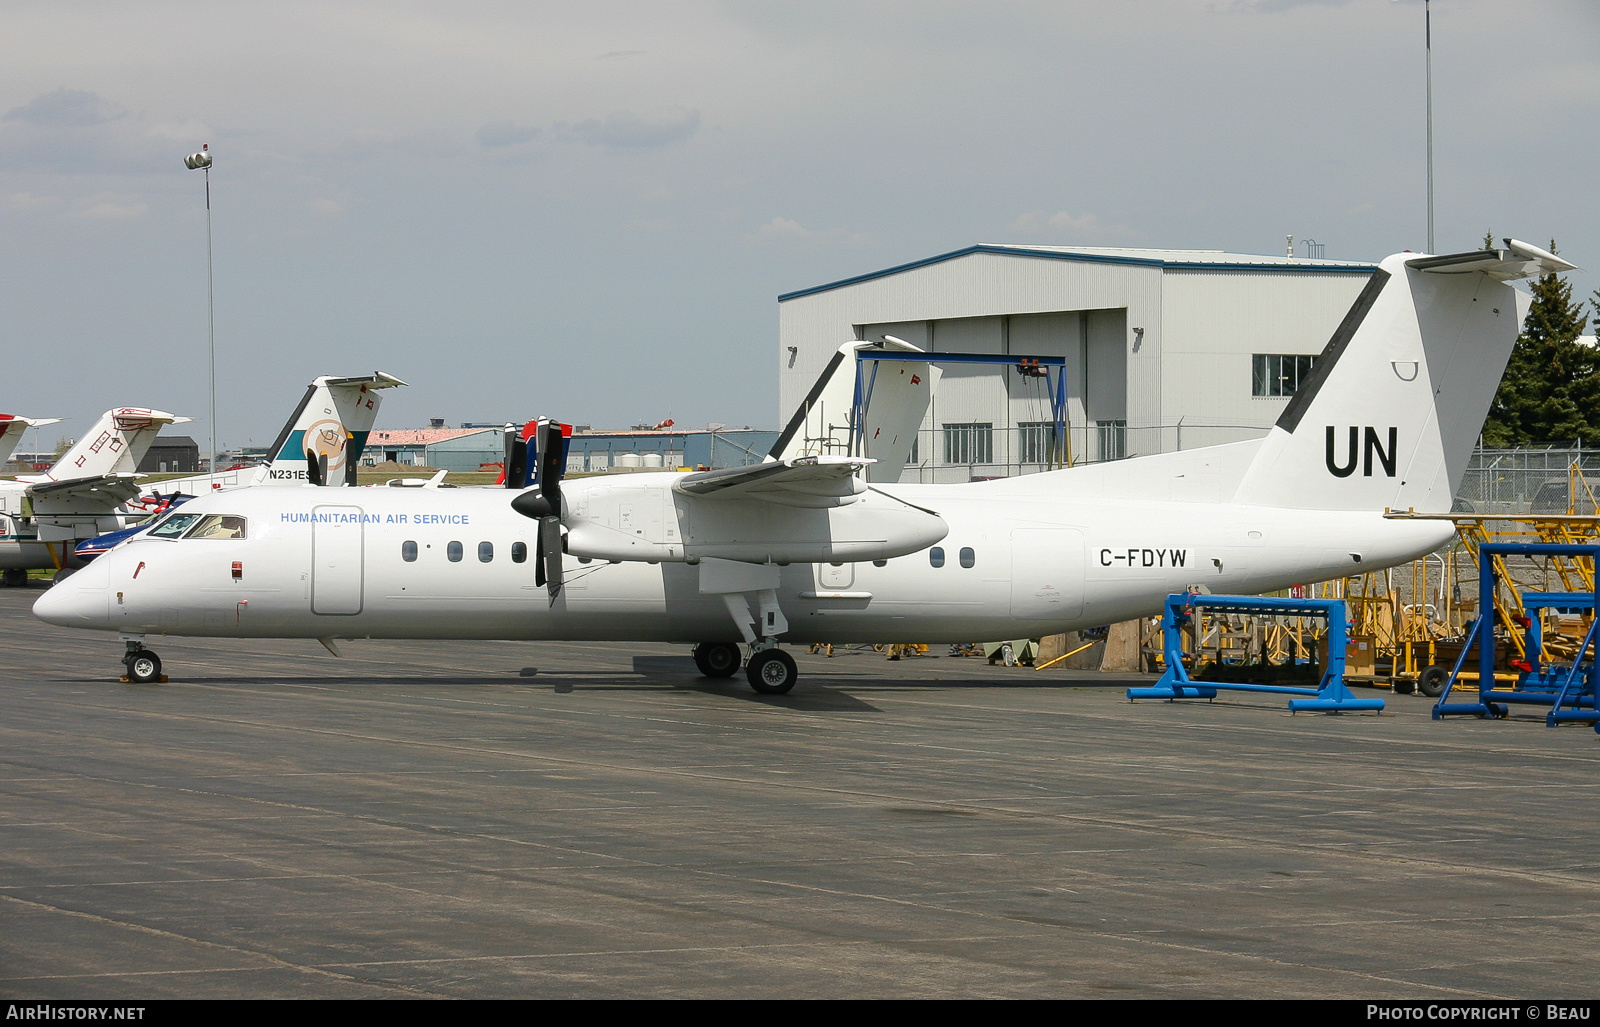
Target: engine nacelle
640	517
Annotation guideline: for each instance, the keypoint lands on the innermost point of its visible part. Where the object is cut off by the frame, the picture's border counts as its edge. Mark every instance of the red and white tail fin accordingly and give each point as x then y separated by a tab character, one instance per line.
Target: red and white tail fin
115	445
12	428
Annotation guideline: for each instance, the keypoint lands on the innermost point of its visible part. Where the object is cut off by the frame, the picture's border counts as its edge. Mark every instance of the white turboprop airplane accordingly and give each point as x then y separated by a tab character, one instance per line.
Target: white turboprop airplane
82	494
802	548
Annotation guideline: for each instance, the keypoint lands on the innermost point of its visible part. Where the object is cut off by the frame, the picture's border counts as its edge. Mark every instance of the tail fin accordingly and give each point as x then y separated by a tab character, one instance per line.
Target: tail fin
115	445
324	437
1394	404
12	428
893	397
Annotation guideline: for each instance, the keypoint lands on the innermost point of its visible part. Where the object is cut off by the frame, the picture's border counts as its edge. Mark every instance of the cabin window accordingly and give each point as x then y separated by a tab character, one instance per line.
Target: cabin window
485	552
452	552
519	552
218	526
174	526
936	556
968	557
408	552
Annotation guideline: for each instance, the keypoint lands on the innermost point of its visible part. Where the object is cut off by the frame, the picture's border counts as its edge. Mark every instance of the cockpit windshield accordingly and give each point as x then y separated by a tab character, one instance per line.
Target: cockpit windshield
218	526
175	525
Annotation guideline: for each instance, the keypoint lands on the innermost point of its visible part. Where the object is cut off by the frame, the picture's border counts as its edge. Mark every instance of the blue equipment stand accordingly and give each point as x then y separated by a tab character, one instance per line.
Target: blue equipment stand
1330	695
1570	692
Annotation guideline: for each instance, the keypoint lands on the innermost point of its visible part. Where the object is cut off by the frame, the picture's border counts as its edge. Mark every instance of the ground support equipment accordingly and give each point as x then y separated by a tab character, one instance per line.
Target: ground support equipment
1572	691
1330	695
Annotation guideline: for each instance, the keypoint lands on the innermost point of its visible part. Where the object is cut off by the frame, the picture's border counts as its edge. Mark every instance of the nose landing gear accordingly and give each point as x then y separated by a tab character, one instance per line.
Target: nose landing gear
143	665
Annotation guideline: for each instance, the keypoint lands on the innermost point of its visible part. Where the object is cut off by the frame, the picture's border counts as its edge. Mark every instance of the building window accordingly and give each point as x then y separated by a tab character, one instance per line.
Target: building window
1035	442
408	552
519	552
936	556
969	443
485	552
452	552
968	557
1276	375
1113	439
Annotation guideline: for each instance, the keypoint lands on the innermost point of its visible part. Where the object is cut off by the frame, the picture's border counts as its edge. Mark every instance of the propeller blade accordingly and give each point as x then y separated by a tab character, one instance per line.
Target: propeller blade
316	473
516	460
550	552
552	461
538	556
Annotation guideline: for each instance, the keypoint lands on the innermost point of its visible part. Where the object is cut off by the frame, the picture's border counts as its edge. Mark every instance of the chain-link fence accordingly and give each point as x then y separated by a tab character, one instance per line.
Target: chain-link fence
1547	480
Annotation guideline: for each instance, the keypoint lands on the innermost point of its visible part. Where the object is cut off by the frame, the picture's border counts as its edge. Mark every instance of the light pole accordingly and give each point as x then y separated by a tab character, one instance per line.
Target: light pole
202	162
1427	42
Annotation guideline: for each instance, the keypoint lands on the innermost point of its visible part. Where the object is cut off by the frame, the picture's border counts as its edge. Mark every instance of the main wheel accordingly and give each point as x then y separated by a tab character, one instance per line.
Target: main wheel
144	666
771	672
15	577
1431	681
717	659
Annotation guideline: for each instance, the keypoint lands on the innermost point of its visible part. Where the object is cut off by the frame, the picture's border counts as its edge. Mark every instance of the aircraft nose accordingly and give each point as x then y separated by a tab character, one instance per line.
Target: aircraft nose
73	605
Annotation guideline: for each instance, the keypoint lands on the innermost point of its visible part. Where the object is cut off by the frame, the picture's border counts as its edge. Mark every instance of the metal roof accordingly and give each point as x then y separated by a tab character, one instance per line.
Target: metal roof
1177	260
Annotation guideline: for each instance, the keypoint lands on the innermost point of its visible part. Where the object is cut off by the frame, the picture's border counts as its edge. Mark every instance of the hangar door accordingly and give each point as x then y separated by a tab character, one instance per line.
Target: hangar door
336	543
1046	574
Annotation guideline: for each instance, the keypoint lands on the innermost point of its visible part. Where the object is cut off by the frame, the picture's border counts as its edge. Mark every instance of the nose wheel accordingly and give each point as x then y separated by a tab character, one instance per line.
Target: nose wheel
143	665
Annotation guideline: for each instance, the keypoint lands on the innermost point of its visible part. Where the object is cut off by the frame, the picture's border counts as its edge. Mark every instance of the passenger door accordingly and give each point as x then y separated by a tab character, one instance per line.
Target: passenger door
336	559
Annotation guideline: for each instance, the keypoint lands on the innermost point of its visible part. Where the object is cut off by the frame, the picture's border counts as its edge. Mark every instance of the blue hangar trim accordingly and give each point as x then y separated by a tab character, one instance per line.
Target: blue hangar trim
1354	268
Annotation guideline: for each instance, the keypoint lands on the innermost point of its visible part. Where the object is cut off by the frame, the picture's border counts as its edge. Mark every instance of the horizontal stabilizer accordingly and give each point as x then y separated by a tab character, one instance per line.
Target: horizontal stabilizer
1517	260
114	489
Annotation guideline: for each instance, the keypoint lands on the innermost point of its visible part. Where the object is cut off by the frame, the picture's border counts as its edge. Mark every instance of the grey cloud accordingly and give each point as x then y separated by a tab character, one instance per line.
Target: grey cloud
505	133
626	129
66	108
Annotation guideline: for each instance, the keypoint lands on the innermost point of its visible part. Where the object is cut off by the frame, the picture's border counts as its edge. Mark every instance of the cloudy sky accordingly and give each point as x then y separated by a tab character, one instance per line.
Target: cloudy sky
588	210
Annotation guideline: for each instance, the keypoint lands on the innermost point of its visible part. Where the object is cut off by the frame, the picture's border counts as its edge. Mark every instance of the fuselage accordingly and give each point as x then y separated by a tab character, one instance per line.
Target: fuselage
460	563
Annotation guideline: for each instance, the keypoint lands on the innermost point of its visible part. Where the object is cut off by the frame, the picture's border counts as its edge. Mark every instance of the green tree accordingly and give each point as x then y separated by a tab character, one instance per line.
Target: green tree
1551	389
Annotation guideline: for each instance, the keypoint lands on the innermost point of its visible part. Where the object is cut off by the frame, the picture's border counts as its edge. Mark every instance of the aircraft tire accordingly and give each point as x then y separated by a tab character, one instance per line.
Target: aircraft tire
1431	681
143	666
772	672
717	659
15	577
62	575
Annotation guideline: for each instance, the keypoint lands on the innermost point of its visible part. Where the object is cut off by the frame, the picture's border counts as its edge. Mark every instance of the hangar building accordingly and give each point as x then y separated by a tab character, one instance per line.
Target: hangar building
1165	349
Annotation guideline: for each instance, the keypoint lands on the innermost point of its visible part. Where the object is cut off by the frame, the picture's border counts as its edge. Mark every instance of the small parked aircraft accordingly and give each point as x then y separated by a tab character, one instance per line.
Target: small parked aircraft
806	547
94	490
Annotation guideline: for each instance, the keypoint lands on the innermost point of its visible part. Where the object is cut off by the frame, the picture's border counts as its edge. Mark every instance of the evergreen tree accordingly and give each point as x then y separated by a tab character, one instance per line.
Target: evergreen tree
1551	389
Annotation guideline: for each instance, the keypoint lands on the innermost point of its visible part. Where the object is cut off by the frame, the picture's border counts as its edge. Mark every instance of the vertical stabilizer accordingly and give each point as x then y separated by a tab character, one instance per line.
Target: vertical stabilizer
12	428
324	437
115	445
1394	404
892	397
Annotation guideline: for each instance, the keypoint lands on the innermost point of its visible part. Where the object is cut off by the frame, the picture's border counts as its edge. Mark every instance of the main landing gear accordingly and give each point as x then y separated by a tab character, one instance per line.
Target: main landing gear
143	665
14	577
770	670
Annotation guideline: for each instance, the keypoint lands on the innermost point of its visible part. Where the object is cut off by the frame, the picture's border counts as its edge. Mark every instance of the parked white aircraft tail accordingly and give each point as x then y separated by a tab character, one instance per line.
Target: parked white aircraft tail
115	445
12	428
323	439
